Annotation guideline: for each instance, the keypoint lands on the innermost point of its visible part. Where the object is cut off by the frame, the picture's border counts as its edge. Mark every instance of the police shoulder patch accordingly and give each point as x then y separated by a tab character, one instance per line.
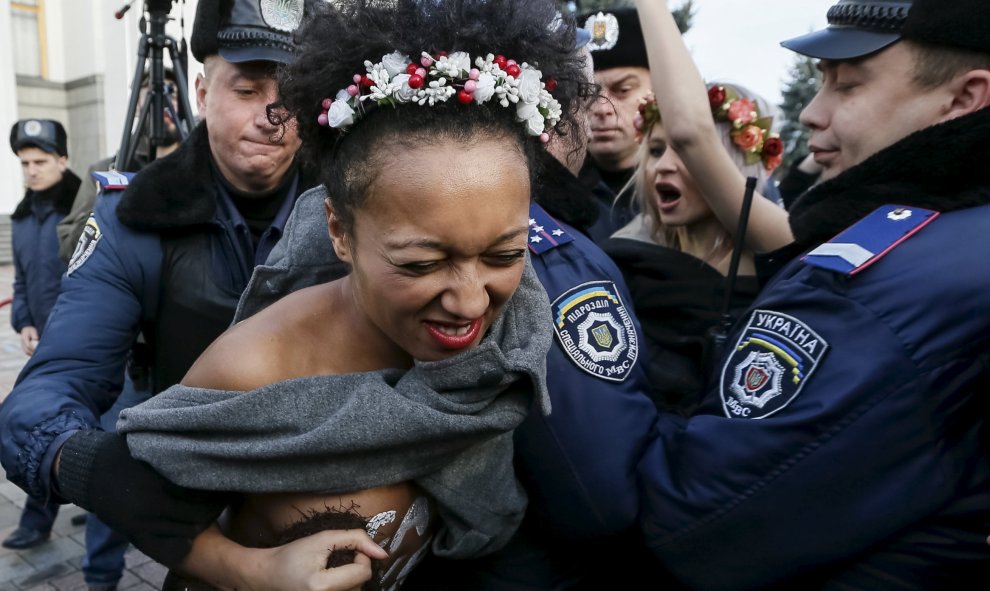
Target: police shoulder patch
596	331
110	180
772	360
544	232
868	240
88	240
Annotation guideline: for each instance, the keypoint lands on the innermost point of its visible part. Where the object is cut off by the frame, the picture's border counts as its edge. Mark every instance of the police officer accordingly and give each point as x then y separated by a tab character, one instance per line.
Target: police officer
622	70
40	145
843	443
166	253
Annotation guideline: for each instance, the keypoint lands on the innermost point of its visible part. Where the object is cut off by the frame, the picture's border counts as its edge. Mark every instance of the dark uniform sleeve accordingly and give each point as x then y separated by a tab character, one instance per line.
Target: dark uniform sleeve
835	424
579	463
20	313
77	370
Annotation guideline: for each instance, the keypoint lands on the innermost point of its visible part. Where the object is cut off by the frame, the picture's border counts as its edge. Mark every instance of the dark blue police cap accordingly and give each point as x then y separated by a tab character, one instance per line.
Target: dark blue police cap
45	134
247	30
857	28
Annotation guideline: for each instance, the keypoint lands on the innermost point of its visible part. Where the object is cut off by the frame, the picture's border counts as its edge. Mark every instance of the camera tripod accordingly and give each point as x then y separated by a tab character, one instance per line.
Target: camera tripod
152	46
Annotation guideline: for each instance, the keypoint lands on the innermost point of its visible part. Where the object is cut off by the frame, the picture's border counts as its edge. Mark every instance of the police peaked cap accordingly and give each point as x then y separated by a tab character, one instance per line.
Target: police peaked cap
247	30
47	135
616	38
857	28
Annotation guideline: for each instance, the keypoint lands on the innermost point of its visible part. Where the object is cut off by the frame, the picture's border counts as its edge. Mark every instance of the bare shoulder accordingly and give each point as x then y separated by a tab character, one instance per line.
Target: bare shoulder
268	347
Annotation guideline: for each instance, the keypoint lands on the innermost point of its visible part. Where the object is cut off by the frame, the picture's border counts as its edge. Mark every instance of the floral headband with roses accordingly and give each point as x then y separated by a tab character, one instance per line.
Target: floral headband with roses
750	132
437	78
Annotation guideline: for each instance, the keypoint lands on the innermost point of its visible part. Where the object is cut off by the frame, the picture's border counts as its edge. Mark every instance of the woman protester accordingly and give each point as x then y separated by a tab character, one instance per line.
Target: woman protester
700	143
403	380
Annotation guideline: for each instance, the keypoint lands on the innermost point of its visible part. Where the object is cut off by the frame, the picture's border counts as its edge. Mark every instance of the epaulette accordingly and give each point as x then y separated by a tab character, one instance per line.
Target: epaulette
111	180
868	240
545	232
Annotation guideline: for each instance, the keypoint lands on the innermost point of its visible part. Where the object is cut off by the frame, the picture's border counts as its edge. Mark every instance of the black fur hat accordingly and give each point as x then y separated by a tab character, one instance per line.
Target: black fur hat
45	134
247	30
616	38
860	27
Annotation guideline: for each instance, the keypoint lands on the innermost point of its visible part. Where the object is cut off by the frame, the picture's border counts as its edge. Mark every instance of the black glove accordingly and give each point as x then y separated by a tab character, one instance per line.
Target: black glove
96	472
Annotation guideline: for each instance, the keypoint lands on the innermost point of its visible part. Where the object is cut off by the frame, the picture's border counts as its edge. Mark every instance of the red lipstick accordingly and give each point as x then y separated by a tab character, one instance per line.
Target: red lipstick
454	336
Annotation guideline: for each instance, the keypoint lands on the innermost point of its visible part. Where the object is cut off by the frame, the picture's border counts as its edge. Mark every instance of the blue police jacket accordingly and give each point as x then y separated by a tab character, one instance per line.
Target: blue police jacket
34	245
112	286
578	463
843	441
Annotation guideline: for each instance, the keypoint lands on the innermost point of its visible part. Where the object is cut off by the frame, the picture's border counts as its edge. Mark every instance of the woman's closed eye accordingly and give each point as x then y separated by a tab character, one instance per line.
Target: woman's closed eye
418	267
507	258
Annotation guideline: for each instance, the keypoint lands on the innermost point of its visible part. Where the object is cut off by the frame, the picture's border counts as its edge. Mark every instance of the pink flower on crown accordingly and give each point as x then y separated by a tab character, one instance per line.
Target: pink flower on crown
749	138
741	112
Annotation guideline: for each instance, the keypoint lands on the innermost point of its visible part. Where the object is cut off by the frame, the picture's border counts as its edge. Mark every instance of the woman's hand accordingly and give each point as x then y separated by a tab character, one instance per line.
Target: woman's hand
302	564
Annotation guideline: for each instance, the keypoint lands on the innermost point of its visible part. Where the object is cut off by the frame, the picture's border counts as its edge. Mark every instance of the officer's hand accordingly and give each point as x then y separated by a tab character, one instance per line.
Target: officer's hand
29	340
95	471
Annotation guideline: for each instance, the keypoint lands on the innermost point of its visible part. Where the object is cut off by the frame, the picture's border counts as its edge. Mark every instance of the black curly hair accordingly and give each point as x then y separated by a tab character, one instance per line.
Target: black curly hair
340	36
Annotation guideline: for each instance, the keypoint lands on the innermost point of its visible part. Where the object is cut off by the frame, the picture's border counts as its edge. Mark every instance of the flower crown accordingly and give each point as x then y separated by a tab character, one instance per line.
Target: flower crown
750	132
437	78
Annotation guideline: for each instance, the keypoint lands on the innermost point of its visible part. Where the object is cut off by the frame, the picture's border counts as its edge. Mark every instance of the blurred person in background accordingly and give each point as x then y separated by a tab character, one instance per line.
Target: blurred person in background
40	145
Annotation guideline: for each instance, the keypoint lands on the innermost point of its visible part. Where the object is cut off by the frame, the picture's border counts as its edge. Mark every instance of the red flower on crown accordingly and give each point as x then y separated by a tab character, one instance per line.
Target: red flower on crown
773	146
716	97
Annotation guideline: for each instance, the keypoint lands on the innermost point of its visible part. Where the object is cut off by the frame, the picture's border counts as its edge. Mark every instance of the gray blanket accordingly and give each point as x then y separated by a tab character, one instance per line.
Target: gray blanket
446	425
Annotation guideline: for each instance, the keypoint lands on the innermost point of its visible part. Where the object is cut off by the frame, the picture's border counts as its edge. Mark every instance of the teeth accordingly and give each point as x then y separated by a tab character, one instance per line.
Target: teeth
454	331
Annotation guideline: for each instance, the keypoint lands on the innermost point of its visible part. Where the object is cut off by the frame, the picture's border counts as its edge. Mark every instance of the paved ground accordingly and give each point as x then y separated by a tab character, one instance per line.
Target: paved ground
55	565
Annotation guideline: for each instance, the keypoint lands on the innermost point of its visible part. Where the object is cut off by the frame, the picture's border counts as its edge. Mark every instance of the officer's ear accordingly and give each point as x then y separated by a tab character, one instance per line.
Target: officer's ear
970	93
338	237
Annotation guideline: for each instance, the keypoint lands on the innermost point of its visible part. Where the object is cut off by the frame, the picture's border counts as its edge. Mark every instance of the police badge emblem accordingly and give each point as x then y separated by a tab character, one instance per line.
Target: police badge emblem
604	29
87	244
772	360
282	15
32	128
596	331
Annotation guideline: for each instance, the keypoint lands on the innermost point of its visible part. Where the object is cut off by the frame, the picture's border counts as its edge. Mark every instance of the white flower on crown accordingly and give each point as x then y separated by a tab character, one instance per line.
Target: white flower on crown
395	63
340	114
551	106
461	60
401	90
530	114
485	88
529	85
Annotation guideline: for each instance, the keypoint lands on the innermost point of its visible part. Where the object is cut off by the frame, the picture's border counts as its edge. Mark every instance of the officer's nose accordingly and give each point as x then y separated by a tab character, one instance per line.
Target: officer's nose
602	106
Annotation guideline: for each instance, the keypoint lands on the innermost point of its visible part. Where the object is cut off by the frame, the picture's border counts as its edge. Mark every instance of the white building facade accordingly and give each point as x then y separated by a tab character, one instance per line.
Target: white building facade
73	61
